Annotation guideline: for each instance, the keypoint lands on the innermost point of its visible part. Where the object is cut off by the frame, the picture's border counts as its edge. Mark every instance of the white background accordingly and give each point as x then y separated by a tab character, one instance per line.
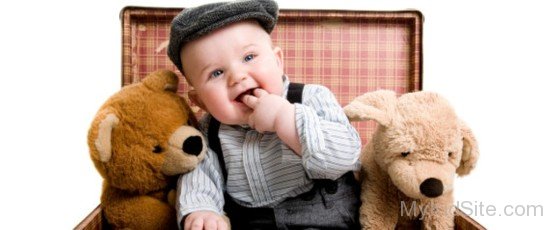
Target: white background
59	60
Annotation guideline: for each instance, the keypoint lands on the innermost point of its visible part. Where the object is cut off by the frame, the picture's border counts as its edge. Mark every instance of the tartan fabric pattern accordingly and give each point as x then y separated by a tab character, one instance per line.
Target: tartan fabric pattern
350	52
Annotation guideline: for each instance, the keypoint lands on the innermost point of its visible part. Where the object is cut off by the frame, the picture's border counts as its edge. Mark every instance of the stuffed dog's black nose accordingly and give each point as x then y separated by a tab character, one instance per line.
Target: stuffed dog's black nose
431	187
192	145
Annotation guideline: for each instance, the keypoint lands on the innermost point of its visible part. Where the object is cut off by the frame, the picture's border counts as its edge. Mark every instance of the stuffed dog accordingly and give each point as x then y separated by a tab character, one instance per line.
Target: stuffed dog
409	165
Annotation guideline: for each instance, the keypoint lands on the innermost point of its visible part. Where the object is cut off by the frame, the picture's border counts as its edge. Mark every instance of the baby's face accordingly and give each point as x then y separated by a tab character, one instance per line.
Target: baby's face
229	63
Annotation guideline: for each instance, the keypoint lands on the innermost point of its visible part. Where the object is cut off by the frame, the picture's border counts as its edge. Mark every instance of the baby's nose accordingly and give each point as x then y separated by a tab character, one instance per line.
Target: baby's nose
236	77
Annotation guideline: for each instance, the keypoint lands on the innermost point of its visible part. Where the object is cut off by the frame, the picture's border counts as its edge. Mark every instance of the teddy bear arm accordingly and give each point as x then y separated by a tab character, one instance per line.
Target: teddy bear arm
172	197
141	212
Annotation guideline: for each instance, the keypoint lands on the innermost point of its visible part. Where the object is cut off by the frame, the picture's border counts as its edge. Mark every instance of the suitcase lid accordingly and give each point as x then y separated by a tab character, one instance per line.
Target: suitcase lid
350	52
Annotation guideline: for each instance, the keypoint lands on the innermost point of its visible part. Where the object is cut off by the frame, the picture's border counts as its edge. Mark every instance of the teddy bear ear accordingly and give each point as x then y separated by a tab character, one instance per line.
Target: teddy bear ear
375	105
470	151
103	131
162	80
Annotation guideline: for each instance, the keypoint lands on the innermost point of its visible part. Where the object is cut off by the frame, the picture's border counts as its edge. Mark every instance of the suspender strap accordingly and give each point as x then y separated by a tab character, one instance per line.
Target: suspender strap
294	95
214	142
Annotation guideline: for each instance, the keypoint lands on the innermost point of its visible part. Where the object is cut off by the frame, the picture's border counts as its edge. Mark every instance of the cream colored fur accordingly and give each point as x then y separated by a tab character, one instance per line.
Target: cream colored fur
409	165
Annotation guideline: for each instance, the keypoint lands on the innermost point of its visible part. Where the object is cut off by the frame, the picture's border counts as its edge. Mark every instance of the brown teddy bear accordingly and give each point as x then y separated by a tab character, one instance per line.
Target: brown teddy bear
409	166
140	140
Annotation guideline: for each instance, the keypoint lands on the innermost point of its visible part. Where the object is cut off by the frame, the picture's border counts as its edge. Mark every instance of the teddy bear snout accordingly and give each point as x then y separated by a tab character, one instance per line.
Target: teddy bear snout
192	145
431	187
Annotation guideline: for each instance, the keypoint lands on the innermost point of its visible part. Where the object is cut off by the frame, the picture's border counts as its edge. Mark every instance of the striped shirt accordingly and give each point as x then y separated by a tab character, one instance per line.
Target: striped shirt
262	170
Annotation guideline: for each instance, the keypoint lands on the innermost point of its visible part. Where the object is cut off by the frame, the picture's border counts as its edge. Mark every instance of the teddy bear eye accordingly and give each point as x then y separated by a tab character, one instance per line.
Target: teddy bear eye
450	154
157	149
404	154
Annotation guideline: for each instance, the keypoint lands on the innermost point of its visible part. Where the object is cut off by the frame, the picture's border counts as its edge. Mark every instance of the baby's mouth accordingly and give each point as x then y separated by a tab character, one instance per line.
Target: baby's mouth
247	92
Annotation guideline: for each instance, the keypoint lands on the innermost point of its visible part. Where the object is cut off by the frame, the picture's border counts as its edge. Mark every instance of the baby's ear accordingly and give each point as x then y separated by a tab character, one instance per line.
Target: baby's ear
194	97
377	105
470	151
279	56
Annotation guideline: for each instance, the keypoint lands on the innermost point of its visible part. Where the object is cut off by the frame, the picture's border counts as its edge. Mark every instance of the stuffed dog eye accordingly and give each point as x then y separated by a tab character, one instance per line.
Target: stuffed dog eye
157	149
405	154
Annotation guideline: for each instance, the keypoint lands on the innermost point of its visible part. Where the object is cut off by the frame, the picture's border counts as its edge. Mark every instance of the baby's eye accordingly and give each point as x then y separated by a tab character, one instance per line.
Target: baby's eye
216	73
249	57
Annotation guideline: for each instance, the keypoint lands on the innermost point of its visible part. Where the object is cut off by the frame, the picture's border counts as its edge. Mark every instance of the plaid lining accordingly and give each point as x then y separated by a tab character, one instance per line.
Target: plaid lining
350	52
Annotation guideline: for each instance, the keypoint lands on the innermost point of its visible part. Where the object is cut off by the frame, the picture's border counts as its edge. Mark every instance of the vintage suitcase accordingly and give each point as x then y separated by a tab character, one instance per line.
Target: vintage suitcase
350	52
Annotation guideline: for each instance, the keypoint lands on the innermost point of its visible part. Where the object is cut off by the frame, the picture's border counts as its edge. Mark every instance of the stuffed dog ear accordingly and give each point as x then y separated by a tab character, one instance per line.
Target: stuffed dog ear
470	151
377	105
100	135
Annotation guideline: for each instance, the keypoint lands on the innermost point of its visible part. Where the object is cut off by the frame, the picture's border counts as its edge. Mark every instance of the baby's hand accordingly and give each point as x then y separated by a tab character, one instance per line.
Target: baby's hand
269	110
274	114
206	220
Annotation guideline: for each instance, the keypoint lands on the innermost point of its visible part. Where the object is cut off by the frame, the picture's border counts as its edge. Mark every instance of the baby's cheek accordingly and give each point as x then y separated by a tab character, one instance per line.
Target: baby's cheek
272	89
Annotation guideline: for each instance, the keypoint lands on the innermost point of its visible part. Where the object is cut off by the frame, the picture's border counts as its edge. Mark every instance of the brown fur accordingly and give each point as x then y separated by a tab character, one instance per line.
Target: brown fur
139	185
439	144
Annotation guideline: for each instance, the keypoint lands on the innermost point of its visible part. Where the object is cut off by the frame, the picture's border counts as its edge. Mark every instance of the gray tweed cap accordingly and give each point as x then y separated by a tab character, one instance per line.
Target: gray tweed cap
192	23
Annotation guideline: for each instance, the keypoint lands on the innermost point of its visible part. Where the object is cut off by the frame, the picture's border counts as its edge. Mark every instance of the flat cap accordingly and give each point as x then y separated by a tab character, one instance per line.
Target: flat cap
192	23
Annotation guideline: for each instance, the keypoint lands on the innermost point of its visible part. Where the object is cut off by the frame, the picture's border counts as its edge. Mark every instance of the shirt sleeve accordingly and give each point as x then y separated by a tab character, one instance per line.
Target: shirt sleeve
330	144
202	188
